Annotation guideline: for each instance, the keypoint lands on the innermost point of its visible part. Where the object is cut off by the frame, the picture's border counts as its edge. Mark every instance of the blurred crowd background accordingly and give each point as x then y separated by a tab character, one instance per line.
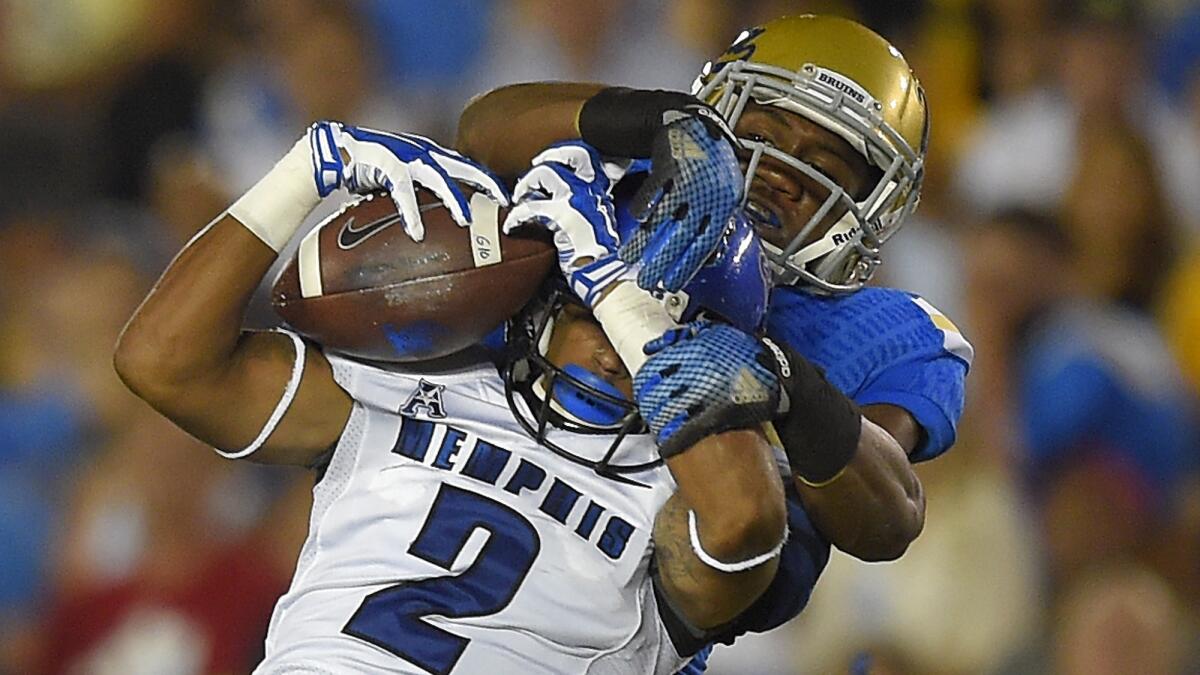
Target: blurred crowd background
1060	227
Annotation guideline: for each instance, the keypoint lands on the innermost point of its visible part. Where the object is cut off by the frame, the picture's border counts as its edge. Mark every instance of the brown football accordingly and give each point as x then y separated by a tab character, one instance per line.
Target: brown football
360	286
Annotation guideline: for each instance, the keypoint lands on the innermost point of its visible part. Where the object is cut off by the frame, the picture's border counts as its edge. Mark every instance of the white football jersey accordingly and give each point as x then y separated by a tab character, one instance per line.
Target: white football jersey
444	539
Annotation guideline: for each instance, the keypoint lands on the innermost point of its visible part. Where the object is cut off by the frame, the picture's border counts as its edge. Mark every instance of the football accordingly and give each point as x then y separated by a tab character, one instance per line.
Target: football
359	285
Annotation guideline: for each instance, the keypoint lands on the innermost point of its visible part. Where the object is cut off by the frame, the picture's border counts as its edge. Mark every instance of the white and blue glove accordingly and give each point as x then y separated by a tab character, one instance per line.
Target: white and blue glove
705	378
694	188
567	192
365	160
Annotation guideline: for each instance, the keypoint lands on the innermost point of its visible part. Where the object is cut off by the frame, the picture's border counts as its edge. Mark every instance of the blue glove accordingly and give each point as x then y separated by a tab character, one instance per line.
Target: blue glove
567	192
694	188
702	379
365	160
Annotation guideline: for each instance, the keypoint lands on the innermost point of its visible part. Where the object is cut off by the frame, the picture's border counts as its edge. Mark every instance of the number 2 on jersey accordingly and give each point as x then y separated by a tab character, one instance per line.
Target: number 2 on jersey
392	618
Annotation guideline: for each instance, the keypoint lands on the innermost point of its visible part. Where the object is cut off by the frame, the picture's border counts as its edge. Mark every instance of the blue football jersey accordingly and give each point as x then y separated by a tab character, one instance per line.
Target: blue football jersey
881	345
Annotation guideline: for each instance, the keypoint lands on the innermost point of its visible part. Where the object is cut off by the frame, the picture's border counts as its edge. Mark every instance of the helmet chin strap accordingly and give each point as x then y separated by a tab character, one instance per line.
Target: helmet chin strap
843	231
841	235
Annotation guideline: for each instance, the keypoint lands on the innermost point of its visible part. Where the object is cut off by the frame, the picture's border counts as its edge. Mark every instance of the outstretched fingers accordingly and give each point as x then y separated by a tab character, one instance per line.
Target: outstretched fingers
461	169
435	179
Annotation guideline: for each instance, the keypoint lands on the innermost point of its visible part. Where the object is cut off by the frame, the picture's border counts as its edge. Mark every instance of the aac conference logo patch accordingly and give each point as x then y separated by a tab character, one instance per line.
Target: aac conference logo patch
427	399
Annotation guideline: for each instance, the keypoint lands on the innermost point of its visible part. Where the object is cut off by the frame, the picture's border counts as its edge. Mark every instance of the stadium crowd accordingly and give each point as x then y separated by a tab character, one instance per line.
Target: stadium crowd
1060	227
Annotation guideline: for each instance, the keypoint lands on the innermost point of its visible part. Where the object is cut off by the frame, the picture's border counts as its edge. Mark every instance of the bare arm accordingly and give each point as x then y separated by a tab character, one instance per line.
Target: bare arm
184	352
731	483
506	127
876	507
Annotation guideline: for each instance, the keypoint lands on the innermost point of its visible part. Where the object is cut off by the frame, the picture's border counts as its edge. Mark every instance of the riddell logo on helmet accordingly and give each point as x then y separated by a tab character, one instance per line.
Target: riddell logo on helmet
845	237
842	85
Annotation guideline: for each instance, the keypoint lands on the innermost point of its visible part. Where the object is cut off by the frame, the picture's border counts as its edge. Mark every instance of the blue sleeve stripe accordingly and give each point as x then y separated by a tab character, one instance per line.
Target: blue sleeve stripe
939	429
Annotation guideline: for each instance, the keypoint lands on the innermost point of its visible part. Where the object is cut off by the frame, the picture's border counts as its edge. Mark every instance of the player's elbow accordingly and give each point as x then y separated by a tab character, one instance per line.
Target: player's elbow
892	540
474	123
147	367
908	523
467	139
136	368
747	525
889	547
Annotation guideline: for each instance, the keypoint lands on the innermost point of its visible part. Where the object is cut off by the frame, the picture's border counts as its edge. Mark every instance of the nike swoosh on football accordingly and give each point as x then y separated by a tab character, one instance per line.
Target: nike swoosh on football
349	236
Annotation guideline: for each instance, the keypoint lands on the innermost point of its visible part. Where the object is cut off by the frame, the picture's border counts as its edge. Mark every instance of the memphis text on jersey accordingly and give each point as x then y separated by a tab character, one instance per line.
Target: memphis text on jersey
441	446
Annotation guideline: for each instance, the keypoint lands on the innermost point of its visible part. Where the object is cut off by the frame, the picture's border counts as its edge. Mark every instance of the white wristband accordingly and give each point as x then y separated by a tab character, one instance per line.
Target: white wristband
280	201
728	568
631	317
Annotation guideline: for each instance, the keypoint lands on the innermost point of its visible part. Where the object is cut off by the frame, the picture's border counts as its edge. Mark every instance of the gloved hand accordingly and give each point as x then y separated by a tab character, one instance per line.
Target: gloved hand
705	378
365	160
694	188
567	192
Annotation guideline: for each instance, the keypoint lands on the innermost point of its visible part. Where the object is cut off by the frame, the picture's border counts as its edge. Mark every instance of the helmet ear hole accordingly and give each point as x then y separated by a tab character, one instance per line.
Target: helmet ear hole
874	175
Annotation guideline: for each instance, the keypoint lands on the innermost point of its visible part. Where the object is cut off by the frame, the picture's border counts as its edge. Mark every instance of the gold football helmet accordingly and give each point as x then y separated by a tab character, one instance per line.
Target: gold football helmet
846	78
